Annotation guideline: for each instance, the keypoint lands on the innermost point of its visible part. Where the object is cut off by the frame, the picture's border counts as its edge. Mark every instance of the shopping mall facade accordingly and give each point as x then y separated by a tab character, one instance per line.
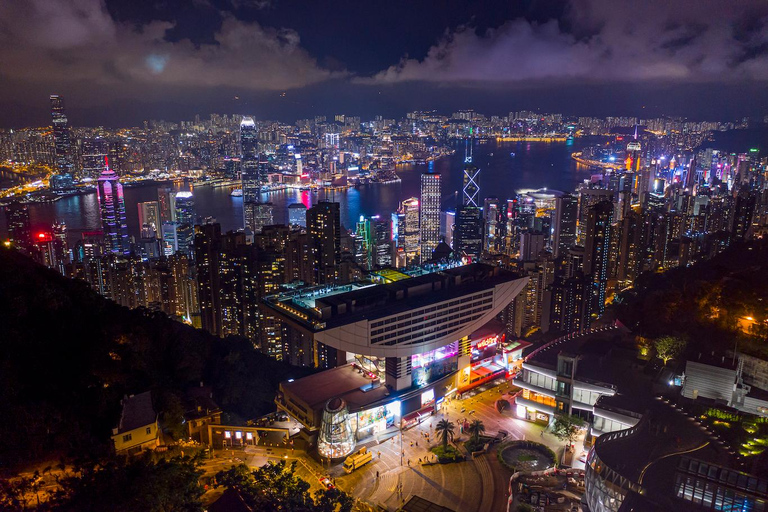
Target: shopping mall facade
402	348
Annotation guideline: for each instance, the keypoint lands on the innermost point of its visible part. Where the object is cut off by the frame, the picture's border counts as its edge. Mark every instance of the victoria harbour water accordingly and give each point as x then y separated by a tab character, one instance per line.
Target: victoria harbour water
506	167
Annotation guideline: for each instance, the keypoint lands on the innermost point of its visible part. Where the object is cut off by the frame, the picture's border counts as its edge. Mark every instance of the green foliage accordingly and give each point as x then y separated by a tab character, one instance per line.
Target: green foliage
669	347
447	454
704	302
127	484
502	405
475	429
566	427
444	430
69	356
275	486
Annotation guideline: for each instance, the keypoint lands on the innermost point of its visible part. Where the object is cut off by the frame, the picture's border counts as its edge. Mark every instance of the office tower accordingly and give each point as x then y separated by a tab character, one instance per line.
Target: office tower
363	241
63	161
588	197
468	231
564	224
495	221
297	215
531	245
185	221
471	187
597	252
447	222
170	242
112	206
166	205
324	228
149	215
17	222
429	214
257	215
408	229
382	241
61	246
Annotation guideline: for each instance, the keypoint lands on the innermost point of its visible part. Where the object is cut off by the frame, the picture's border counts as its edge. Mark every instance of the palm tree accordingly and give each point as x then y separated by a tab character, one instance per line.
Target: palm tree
476	428
444	430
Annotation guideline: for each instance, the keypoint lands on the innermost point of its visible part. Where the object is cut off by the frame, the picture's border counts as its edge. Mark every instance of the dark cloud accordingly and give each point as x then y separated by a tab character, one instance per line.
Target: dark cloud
127	60
605	40
69	41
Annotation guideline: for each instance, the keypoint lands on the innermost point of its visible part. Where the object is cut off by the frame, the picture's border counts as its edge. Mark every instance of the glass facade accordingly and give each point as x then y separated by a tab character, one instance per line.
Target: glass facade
337	437
605	488
716	488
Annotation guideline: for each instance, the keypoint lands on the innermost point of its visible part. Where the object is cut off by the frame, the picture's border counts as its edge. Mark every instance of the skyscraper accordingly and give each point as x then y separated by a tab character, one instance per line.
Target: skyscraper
324	228
185	221
468	231
564	224
597	252
429	214
408	229
257	215
471	187
382	241
253	174
112	206
63	160
297	215
17	222
149	214
495	220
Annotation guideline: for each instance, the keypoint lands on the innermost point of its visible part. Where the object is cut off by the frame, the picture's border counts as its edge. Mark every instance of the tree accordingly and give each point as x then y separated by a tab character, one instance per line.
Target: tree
669	347
275	486
502	405
566	427
444	430
475	429
126	484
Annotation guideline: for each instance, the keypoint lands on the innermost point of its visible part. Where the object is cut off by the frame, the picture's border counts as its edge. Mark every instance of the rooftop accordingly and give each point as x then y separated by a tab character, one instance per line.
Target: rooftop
344	382
137	412
664	433
321	308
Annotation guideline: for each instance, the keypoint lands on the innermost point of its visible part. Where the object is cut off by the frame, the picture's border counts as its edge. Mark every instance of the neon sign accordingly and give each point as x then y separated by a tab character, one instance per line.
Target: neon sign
487	342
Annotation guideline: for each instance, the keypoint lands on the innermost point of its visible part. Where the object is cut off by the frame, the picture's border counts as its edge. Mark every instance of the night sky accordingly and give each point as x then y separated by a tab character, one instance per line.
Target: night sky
118	62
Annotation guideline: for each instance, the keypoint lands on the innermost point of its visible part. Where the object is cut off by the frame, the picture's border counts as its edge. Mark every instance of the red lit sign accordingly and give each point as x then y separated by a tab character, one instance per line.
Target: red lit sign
487	342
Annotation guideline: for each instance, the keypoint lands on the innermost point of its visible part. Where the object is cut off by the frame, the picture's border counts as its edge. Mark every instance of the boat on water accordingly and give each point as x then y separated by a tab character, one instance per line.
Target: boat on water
238	192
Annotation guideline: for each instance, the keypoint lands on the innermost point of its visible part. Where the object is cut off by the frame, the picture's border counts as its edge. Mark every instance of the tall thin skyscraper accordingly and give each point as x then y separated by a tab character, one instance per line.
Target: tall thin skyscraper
63	160
564	224
471	188
468	231
112	206
597	252
253	176
408	229
185	221
17	222
324	228
429	214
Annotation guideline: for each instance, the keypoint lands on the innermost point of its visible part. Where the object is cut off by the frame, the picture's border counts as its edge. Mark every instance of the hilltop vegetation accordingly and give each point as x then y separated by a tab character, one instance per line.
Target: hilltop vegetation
68	356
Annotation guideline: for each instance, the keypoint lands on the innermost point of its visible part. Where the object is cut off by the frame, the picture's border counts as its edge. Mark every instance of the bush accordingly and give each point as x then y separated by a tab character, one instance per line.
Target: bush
447	454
